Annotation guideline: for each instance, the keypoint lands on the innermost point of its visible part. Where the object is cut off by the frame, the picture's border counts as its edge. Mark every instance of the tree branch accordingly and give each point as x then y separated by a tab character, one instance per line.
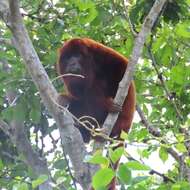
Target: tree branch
128	76
71	137
137	49
152	130
168	94
15	131
183	168
136	53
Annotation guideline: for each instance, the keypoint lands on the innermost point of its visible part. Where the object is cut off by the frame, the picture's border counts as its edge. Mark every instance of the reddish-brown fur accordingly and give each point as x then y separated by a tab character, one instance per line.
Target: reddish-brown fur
103	69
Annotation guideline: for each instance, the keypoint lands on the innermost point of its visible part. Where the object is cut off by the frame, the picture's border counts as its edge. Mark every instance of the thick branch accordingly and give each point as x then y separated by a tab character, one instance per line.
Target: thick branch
17	135
70	136
138	46
136	53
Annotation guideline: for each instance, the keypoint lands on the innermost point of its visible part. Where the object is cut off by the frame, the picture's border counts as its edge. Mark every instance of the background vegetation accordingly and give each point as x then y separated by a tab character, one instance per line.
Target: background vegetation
162	79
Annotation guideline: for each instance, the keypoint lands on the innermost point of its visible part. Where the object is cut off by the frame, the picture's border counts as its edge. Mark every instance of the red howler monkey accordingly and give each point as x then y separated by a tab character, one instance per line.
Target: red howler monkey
91	74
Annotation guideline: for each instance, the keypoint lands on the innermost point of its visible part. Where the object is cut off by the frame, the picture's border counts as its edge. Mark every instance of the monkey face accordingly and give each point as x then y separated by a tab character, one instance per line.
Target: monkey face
76	66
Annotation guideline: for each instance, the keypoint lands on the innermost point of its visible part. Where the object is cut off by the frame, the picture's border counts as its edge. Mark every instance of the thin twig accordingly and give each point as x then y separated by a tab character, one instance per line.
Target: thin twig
69	168
165	178
152	130
161	78
131	26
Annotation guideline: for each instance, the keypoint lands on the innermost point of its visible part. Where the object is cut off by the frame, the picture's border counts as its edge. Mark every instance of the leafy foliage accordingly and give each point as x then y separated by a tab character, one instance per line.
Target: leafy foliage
162	81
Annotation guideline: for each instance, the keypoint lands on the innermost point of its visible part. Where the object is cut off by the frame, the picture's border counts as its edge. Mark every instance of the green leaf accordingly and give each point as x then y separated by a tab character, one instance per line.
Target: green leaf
84	5
164	187
60	180
50	58
176	187
19	169
163	154
142	134
180	137
116	154
159	42
166	56
41	179
181	185
102	178
178	74
123	135
22	186
1	164
183	29
187	161
139	179
145	109
89	17
129	45
60	164
19	112
88	9
134	165
35	113
98	159
35	116
124	174
181	147
7	113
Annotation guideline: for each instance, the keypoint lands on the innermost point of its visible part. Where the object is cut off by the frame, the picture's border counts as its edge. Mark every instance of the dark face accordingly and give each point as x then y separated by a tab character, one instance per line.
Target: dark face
73	65
76	71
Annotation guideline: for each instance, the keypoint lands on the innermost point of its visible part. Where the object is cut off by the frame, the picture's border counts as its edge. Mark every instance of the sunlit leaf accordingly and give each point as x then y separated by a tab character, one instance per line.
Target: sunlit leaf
163	154
134	165
183	29
102	178
116	154
41	179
